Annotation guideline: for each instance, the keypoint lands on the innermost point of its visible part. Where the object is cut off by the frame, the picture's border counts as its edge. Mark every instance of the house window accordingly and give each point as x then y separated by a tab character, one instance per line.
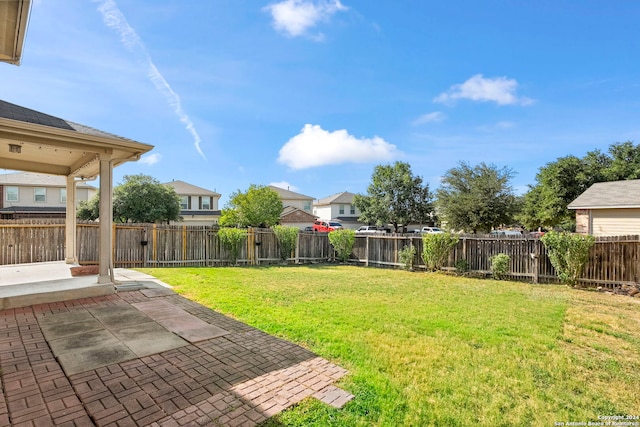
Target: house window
12	194
341	210
307	205
63	195
184	202
206	203
352	210
39	194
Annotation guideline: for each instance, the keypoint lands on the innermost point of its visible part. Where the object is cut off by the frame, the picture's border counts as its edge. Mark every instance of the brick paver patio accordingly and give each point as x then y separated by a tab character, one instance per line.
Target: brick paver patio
238	379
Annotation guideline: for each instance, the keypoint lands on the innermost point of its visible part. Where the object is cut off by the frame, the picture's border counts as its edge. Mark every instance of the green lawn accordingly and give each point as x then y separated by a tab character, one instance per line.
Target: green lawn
432	349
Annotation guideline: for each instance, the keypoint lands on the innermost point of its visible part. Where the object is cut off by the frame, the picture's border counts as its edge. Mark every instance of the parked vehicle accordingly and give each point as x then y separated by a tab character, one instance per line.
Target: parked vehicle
431	230
308	228
325	226
369	229
506	233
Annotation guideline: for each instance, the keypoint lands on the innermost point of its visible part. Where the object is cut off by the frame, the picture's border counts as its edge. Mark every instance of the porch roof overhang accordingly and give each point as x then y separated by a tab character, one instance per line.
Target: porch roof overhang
14	17
70	152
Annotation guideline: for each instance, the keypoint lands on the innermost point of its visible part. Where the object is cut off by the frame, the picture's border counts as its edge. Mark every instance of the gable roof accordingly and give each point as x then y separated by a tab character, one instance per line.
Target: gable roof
38	179
606	195
26	115
344	197
186	189
42	143
289	195
288	210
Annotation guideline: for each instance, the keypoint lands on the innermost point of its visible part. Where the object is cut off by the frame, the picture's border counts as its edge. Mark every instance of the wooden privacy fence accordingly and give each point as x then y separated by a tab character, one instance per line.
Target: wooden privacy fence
612	260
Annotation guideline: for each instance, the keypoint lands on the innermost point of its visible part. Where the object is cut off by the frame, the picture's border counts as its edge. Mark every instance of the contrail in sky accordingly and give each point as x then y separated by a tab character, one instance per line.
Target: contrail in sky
114	19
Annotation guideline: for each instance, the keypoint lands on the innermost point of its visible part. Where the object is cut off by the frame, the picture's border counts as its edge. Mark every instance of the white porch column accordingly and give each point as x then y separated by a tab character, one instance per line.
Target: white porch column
71	253
105	263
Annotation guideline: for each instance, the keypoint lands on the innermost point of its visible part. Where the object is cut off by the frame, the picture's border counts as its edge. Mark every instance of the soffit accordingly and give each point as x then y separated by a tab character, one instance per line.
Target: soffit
14	15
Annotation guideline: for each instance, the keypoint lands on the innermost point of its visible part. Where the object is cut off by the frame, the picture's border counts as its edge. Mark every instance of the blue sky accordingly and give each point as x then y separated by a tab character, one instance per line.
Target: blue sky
312	94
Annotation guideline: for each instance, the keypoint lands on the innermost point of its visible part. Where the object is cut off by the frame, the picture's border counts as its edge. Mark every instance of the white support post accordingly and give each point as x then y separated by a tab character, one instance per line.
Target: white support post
71	253
105	262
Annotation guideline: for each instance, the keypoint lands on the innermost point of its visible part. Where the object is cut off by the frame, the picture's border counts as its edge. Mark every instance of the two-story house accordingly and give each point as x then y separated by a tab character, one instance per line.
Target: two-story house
36	195
297	208
198	206
339	206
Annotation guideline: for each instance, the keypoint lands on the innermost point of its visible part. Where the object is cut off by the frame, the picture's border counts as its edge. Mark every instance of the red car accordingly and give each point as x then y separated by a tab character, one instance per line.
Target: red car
325	226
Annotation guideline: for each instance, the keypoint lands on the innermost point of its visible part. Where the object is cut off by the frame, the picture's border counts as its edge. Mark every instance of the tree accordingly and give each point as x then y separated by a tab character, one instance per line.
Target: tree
625	162
395	196
140	198
560	182
89	210
259	206
477	198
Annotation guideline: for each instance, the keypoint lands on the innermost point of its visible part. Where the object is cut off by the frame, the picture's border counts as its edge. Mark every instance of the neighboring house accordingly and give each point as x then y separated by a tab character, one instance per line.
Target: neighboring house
339	206
298	208
198	206
609	209
35	195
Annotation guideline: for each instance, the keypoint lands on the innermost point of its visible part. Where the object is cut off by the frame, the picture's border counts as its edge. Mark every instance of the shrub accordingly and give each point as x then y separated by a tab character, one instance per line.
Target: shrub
342	241
436	248
568	254
462	265
499	266
231	239
406	255
287	239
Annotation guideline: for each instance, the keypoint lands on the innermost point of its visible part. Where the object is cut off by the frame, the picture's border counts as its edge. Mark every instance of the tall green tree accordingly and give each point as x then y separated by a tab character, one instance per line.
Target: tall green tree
140	198
259	206
558	183
89	210
625	162
476	198
395	196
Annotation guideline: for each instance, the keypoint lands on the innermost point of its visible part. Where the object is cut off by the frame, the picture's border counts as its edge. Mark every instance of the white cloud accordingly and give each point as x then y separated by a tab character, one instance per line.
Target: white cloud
295	17
284	185
499	90
435	117
504	125
150	159
314	146
114	19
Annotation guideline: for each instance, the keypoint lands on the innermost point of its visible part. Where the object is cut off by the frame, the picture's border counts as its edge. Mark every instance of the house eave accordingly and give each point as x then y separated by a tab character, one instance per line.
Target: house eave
15	15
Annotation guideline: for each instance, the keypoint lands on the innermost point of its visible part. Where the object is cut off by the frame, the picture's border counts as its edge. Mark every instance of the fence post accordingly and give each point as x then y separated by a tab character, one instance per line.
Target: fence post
297	253
366	259
536	262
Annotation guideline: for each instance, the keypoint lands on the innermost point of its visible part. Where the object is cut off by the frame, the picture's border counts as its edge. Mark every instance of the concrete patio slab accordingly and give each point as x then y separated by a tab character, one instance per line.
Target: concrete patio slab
147	338
119	316
83	341
159	309
95	356
191	328
61	329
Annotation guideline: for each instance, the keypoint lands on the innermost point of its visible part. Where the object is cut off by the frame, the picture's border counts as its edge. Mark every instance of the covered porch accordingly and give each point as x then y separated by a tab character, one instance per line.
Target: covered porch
32	141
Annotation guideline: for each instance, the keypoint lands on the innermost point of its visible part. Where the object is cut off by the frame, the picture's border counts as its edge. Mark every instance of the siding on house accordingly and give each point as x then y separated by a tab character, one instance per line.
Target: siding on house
609	209
338	206
615	222
49	204
195	211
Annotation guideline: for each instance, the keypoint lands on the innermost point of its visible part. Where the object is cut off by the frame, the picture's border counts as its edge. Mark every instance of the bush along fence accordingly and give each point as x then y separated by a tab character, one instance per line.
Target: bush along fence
612	261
